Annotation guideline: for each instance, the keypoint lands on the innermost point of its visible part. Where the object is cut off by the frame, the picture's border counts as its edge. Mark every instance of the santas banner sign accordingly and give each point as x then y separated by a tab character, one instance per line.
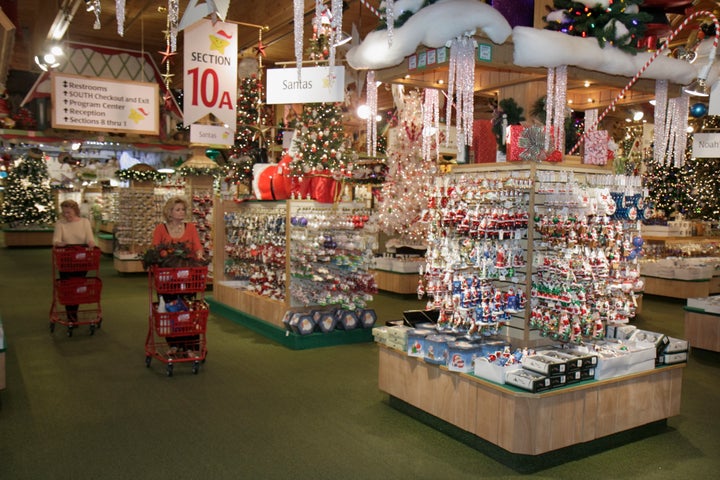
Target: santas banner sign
210	72
315	85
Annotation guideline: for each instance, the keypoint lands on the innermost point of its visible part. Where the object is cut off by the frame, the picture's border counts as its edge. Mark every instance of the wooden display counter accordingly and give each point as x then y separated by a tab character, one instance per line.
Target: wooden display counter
105	242
263	308
702	330
127	265
396	282
28	238
668	287
532	424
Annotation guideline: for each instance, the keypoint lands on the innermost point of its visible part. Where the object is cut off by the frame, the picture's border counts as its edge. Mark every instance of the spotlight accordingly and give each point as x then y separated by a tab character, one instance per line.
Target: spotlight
638	115
363	112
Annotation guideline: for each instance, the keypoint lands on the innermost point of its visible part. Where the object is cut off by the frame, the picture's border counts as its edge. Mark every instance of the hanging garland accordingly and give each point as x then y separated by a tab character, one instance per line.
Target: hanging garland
129	174
200	171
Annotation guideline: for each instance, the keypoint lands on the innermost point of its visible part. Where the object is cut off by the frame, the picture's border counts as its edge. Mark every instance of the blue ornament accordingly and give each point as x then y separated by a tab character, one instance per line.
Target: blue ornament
638	242
698	110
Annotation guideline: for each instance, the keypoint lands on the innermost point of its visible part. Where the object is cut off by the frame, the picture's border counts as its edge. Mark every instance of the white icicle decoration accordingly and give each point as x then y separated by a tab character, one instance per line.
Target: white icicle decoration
120	16
371	133
336	28
461	74
549	102
390	20
431	124
560	102
298	21
173	18
660	139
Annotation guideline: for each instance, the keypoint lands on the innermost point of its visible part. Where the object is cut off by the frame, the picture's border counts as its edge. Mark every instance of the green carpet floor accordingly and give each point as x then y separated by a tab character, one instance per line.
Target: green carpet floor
86	407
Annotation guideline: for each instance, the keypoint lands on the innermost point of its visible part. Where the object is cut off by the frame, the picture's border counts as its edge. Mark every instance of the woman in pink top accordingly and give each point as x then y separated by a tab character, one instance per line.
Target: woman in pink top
175	229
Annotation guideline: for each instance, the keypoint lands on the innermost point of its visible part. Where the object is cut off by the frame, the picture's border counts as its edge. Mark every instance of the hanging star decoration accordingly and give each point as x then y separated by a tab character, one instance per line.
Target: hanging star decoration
167	54
260	49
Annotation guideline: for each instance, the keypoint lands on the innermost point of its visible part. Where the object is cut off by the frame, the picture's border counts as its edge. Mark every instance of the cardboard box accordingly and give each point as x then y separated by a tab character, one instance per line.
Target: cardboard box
586	373
492	371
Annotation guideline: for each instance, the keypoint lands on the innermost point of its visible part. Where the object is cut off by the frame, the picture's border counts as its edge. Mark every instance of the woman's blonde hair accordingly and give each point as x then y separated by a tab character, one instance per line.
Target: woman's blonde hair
71	204
171	202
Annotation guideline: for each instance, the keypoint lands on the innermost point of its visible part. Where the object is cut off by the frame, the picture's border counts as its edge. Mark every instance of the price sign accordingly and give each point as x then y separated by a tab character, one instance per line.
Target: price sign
210	72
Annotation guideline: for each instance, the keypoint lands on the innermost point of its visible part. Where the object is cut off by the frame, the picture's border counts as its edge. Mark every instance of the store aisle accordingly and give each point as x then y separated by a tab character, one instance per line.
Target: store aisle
87	408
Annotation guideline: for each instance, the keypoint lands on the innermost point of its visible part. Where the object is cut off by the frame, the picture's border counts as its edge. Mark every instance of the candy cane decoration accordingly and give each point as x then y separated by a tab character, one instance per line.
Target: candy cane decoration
703	74
371	8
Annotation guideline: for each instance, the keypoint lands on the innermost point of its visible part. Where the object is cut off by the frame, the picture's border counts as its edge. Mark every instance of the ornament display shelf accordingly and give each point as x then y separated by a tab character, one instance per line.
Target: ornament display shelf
702	329
526	424
28	237
255	275
543	192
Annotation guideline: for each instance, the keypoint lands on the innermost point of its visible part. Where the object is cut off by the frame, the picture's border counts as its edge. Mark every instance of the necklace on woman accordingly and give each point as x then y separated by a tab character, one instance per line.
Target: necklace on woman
176	228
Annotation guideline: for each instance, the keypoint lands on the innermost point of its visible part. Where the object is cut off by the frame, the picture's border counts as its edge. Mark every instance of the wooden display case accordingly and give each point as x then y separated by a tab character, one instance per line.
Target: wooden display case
41	237
405	283
702	330
532	424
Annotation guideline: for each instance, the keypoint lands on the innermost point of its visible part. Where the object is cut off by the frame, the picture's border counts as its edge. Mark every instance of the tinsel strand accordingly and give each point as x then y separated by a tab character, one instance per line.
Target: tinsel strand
451	86
120	16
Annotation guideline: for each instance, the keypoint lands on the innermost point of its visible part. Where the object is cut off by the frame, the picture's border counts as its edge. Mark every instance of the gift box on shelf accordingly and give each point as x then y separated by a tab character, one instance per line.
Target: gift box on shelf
367	317
623	358
528	380
436	348
461	355
347	320
676	345
596	147
545	365
513	149
305	324
495	372
587	373
326	321
660	340
672	358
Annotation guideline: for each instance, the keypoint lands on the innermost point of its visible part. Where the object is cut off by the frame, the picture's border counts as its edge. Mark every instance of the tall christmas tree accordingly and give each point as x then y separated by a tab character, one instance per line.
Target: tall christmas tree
406	190
320	144
28	197
250	145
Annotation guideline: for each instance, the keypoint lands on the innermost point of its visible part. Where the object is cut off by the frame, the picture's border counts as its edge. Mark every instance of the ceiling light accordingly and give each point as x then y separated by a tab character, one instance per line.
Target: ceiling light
638	115
363	112
652	102
587	83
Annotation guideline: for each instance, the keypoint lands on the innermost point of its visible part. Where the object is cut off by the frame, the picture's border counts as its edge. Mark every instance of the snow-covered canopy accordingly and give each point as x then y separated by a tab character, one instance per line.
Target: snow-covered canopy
439	23
432	26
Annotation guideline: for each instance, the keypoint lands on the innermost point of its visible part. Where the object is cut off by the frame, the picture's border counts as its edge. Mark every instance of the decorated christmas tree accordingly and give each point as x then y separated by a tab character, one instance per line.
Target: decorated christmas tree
320	143
667	187
28	197
407	188
619	23
703	188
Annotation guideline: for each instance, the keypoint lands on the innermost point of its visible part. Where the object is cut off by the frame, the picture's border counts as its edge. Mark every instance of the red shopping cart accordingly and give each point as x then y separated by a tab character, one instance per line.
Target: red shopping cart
77	288
178	317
